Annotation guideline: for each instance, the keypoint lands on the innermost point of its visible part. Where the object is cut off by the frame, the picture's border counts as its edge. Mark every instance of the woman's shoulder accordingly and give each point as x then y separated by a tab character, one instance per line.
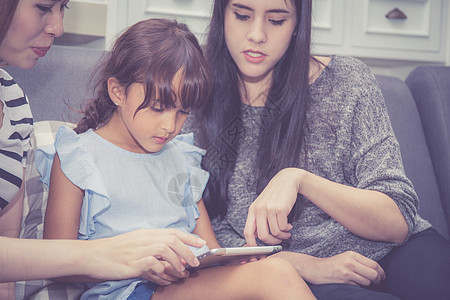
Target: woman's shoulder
7	81
343	71
4	74
349	64
338	63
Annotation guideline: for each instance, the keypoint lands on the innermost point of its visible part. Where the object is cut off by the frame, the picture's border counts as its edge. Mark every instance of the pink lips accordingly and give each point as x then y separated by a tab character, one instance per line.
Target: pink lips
40	51
160	140
260	57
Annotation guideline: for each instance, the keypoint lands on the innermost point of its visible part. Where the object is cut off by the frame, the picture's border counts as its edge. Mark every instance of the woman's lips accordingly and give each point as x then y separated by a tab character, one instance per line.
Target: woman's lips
254	57
40	51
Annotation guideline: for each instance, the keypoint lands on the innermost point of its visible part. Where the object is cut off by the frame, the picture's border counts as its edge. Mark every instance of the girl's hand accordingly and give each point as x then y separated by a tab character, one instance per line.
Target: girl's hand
145	252
268	215
163	273
348	267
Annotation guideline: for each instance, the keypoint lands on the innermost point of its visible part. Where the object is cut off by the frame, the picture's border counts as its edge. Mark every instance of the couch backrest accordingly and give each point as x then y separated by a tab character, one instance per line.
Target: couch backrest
58	84
415	154
430	87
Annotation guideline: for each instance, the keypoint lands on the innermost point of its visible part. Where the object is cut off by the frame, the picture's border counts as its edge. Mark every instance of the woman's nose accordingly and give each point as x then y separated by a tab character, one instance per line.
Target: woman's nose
55	25
257	32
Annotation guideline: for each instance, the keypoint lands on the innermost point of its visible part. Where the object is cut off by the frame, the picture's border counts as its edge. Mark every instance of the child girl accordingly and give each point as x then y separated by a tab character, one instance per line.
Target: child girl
27	31
127	169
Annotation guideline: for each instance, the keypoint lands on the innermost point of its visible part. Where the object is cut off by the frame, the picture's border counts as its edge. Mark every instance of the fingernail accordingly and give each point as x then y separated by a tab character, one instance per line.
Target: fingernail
196	263
201	242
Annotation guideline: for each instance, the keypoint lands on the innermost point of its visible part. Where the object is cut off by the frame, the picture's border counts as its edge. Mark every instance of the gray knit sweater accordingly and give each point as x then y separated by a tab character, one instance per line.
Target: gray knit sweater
350	141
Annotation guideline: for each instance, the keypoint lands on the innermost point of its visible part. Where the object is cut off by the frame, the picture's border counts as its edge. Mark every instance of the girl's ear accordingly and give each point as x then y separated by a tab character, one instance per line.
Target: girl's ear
116	91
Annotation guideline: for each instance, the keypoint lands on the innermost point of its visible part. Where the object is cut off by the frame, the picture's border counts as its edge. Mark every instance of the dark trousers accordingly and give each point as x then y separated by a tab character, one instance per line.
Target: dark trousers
417	270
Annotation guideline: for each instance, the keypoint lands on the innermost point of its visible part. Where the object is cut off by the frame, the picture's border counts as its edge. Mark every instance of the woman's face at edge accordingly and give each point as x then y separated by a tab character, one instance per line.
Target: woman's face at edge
258	34
33	28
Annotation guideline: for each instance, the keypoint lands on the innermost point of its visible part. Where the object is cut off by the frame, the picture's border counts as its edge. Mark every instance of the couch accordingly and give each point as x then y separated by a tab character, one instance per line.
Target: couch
430	87
59	83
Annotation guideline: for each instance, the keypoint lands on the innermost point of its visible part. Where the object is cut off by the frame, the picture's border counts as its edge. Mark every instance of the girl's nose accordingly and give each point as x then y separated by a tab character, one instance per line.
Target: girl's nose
55	26
169	122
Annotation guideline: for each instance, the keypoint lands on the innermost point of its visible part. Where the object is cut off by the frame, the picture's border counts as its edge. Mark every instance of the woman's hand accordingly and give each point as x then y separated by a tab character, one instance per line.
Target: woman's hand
347	267
268	215
159	255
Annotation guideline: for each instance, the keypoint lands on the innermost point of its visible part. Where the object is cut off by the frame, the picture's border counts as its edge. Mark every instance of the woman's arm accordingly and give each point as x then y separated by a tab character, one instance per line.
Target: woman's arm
11	215
124	256
347	268
10	222
368	214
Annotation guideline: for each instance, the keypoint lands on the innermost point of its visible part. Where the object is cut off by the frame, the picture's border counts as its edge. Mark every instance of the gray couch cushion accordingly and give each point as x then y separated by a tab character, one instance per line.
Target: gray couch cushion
58	83
416	157
430	87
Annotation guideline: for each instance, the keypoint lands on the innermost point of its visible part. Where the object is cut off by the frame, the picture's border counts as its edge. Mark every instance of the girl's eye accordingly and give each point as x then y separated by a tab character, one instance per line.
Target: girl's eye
241	17
157	109
184	112
277	22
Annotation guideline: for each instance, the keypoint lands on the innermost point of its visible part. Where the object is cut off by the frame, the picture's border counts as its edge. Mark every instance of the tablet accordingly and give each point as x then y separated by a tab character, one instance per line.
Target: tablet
233	255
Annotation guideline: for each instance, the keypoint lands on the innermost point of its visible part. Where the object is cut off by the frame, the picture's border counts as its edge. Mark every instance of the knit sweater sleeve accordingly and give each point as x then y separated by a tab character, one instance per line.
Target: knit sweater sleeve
375	161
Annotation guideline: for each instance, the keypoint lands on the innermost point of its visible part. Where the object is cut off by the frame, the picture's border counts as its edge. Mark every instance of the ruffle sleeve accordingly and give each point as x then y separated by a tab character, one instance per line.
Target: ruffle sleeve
198	178
79	167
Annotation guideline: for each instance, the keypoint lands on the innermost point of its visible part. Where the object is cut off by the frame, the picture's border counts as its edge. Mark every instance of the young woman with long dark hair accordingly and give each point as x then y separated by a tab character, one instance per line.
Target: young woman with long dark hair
301	152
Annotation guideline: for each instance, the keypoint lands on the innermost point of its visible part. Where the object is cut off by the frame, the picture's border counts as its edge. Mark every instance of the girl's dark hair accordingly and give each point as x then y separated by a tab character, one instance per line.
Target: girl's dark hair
7	11
150	52
282	135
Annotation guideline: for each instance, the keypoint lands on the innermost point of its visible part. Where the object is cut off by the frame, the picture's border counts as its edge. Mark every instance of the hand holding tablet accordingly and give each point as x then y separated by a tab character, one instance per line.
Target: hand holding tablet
233	255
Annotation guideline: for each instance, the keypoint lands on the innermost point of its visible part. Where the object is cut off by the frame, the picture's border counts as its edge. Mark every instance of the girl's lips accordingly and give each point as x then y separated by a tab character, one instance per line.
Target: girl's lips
40	51
254	57
160	140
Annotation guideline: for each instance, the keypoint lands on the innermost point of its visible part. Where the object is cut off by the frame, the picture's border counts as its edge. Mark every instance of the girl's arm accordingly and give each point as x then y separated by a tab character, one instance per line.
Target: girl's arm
204	228
377	217
164	247
62	216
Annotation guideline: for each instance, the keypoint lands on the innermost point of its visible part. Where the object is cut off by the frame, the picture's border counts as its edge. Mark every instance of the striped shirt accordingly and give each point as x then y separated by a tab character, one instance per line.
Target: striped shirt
14	137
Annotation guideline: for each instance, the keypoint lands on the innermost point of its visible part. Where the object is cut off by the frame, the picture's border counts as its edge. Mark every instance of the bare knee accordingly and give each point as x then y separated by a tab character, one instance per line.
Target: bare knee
276	278
279	267
276	271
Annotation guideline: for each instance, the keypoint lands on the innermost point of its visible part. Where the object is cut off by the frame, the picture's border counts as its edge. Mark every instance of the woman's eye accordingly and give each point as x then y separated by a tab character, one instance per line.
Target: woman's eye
65	6
44	8
241	17
184	112
277	22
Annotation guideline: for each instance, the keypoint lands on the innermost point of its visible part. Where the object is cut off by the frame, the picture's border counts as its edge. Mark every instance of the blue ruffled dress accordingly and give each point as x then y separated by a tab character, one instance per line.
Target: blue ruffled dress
125	191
